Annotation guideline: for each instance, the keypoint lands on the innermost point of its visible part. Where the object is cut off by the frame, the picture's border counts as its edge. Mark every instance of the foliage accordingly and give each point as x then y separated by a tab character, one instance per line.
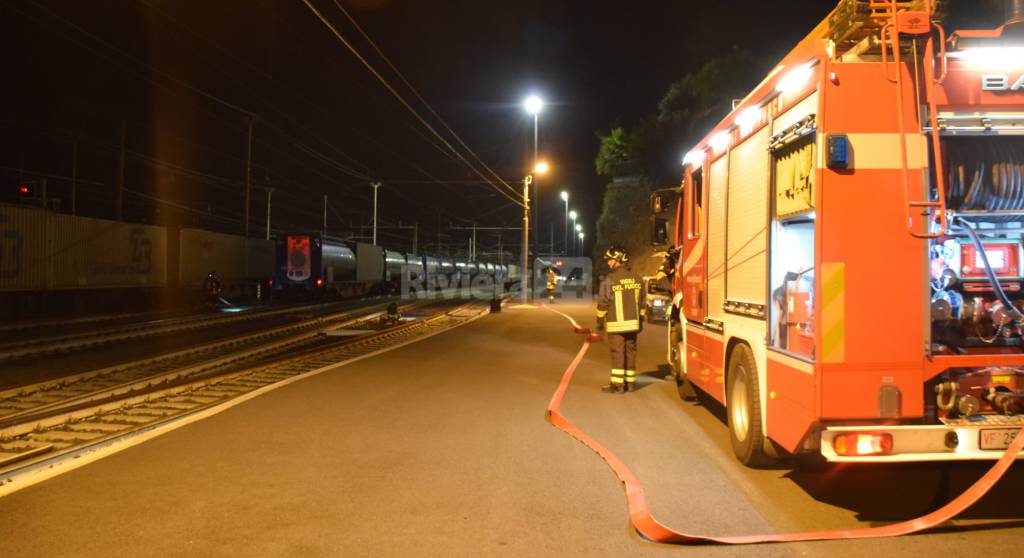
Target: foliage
625	221
616	156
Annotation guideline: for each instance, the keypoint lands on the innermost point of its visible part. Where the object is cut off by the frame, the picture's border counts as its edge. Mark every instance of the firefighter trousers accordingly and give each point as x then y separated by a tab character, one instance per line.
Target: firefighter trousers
623	348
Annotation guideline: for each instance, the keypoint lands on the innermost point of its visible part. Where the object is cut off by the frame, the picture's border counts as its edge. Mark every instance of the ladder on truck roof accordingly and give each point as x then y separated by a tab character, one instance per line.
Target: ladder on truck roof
856	25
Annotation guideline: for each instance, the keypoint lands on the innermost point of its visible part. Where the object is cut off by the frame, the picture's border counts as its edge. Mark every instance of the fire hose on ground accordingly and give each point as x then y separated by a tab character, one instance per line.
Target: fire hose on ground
645	524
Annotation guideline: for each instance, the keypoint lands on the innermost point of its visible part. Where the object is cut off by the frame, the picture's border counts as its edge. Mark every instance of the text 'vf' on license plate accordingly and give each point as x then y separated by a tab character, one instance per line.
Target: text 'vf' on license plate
997	438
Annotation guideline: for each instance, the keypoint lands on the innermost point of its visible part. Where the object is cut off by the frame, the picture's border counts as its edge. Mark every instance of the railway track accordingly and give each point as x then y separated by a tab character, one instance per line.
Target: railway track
54	431
56	341
21	404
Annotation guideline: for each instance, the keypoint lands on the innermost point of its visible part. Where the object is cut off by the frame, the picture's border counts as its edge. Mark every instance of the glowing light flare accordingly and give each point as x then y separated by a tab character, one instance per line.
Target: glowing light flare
720	141
573	214
991	57
533	104
565	195
796	79
541	168
579	228
581	236
748	119
695	157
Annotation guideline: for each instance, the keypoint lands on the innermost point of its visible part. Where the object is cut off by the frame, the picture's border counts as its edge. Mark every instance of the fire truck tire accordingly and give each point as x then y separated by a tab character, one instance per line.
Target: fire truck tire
743	408
676	355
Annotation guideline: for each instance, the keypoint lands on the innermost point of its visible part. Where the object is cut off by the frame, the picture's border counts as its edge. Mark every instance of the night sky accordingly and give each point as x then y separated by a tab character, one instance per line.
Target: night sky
183	74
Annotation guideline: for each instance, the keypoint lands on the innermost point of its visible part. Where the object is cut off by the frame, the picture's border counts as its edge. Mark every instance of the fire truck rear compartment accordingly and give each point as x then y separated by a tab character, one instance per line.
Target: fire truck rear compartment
976	277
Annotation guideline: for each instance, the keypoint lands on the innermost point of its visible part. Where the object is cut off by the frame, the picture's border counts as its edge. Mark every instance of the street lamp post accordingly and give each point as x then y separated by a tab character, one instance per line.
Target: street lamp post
524	274
579	234
375	185
582	248
565	225
539	168
573	215
534	105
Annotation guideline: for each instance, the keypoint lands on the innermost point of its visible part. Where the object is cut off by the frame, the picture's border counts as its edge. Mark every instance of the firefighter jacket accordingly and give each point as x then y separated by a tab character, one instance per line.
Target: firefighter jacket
620	301
552	280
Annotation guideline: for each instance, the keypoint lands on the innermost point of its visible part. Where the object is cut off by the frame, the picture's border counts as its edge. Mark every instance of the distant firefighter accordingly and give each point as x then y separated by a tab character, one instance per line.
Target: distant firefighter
211	289
621	314
552	284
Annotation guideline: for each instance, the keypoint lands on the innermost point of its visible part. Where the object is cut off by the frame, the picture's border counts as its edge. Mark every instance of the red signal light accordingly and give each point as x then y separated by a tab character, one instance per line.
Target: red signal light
23	189
319	282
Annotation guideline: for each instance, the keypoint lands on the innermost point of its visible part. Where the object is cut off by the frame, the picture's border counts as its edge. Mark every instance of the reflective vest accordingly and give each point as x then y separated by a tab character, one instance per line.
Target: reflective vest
619	301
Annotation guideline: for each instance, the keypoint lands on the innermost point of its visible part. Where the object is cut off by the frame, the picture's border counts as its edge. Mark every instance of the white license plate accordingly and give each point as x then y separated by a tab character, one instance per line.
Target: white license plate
997	438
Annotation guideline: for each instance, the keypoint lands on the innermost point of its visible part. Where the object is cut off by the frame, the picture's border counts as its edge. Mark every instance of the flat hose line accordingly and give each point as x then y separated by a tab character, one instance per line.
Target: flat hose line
645	524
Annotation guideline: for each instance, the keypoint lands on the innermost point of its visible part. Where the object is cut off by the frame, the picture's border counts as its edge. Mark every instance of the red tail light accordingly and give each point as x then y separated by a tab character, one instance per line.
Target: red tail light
270	282
319	282
862	443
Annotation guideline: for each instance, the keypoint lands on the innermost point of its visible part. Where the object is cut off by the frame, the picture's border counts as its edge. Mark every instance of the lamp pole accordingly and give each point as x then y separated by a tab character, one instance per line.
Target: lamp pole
524	274
565	224
375	185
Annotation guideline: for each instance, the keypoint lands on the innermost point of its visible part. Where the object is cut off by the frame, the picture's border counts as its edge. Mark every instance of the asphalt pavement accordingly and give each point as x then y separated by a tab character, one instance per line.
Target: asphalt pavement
441	448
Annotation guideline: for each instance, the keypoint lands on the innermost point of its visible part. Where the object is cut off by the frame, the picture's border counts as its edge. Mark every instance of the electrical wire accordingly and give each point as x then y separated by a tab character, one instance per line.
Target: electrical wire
417	93
405	103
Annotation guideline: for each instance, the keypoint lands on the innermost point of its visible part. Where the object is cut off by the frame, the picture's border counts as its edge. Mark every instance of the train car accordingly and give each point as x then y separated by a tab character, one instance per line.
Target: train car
394	266
44	251
240	263
431	269
307	262
339	263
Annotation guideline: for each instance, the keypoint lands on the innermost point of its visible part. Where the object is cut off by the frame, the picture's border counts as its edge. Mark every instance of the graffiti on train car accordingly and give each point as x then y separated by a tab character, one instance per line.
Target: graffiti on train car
11	249
142	250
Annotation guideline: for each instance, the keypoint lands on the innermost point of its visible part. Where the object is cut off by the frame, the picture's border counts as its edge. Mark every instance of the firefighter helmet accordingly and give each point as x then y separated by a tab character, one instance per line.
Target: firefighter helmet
617	253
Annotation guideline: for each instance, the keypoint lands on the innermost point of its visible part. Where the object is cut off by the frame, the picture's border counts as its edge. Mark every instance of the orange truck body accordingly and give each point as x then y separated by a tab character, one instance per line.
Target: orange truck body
824	272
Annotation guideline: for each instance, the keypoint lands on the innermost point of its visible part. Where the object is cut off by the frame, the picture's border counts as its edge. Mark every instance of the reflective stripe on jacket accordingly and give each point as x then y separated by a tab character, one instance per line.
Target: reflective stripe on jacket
619	301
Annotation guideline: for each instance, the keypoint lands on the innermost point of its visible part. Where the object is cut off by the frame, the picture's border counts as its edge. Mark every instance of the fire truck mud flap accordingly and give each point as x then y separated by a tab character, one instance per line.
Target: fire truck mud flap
645	524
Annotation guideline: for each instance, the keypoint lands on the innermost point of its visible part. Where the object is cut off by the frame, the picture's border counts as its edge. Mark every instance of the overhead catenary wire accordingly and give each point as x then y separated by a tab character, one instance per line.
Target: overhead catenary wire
408	106
415	92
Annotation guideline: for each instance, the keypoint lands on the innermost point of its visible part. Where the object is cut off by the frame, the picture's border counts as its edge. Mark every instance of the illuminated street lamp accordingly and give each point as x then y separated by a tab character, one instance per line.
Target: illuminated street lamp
579	231
582	248
541	167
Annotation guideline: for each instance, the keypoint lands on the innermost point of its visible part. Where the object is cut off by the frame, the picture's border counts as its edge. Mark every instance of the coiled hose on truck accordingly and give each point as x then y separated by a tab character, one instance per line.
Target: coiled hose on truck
986	174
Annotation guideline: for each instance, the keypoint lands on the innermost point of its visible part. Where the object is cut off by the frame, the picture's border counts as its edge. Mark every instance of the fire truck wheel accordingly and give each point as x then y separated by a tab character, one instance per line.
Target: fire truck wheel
676	355
743	408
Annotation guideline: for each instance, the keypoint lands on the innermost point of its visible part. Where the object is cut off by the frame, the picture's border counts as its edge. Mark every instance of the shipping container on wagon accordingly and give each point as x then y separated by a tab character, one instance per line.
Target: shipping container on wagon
40	250
234	258
369	262
339	262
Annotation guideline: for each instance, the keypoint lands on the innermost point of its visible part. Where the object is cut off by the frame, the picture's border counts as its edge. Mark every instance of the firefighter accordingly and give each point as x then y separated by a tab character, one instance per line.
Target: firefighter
620	313
552	283
211	289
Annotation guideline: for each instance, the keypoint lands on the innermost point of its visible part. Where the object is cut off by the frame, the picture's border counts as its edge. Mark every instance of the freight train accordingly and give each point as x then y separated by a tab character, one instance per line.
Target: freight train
55	263
310	262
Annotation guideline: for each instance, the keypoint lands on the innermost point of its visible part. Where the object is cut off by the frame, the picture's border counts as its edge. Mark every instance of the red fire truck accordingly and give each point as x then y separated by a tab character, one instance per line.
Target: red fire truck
850	269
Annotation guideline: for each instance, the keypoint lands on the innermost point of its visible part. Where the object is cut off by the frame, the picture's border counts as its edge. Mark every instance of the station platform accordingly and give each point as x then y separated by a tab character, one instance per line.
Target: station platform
438	448
441	448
